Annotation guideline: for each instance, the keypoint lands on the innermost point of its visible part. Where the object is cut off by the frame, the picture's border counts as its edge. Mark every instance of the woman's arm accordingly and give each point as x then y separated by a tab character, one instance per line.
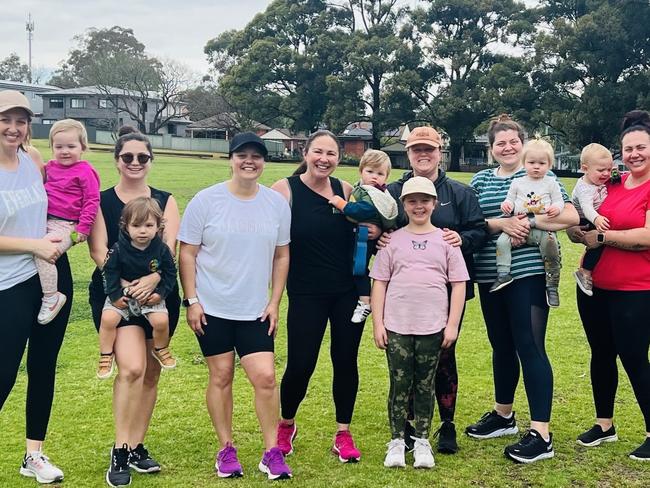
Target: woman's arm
278	282
516	226
630	240
377	300
98	240
37	158
187	271
282	187
567	218
41	248
172	223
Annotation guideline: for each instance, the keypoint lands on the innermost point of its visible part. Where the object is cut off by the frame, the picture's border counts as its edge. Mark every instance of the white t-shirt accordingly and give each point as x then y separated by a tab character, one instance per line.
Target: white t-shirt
237	240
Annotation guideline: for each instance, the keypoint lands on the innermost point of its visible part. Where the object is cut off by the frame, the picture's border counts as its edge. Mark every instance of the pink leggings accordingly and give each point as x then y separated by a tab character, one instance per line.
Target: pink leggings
47	271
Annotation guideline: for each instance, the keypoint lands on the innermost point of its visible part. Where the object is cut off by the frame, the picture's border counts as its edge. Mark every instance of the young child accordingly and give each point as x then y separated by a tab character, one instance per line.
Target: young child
72	188
139	251
370	203
596	163
535	193
414	317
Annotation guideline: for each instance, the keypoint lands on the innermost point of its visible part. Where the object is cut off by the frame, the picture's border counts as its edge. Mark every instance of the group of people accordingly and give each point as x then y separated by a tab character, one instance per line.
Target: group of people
242	244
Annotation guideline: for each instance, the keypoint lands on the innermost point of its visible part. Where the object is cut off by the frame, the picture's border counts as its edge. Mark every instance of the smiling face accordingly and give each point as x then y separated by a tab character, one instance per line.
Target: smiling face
247	163
636	152
66	147
135	169
424	159
506	149
536	163
142	233
14	129
419	207
322	156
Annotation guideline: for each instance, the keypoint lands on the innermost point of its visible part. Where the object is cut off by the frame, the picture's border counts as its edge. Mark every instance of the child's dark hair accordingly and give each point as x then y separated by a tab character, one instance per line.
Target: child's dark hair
138	210
127	133
636	120
302	168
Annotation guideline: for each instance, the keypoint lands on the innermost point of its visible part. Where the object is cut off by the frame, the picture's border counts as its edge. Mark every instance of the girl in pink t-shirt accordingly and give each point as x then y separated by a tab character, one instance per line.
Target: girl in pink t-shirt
72	188
414	316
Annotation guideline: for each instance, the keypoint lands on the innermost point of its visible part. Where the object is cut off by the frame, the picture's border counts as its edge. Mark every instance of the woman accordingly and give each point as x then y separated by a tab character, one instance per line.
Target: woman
459	215
515	316
615	318
136	384
320	288
234	241
23	211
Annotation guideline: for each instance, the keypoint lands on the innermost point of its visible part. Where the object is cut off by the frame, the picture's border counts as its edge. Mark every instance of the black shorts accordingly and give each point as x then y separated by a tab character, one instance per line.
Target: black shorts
243	336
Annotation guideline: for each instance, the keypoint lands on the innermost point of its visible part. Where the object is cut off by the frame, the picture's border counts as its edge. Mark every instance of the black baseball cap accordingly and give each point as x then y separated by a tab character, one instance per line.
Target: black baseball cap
247	138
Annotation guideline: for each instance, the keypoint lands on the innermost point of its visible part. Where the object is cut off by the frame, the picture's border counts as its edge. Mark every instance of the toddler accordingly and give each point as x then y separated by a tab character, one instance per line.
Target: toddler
414	316
72	188
139	251
596	163
370	203
534	193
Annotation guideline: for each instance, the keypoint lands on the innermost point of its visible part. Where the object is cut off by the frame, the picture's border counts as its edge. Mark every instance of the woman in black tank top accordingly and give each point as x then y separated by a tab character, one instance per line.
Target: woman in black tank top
320	289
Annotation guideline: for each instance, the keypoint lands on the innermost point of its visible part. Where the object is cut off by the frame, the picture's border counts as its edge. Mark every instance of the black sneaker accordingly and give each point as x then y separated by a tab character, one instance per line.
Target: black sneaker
595	436
530	448
492	425
642	453
118	473
502	281
552	296
447	438
409	434
141	461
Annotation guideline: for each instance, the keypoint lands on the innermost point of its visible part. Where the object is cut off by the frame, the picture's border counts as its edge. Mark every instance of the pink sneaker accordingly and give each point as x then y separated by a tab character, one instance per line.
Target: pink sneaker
286	434
345	448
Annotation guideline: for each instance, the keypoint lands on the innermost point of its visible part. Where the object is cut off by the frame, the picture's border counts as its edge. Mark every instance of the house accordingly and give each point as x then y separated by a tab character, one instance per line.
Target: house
355	141
32	92
223	126
293	143
102	109
397	151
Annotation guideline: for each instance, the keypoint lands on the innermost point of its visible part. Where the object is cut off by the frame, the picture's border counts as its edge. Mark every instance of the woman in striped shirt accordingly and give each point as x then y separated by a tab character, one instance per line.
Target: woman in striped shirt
515	316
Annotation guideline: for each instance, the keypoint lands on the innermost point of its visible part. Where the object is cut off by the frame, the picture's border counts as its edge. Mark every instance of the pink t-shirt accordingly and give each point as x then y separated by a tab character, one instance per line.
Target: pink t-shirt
418	268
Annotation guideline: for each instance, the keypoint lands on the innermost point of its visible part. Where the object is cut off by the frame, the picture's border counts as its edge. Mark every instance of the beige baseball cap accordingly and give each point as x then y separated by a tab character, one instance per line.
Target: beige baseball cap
418	184
424	135
14	99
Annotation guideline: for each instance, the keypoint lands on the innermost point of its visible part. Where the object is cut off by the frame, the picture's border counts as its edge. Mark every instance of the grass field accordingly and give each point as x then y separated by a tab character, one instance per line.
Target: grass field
182	439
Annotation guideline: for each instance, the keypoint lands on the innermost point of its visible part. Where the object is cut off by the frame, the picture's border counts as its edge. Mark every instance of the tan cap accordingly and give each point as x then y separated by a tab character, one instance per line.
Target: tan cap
418	184
14	99
424	135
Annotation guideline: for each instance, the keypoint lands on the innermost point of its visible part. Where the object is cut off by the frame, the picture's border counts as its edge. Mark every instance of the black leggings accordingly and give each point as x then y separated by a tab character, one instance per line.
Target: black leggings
617	324
306	322
516	318
20	305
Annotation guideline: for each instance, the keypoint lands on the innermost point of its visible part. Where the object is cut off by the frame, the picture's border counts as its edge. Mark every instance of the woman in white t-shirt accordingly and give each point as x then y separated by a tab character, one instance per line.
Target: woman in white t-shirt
234	241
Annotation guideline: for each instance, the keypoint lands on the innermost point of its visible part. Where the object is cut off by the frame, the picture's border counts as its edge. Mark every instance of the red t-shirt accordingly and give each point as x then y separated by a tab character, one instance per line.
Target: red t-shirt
619	269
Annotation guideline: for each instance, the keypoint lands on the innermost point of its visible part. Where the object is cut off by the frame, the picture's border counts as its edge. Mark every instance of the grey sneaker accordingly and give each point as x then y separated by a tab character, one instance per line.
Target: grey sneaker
584	283
37	465
502	281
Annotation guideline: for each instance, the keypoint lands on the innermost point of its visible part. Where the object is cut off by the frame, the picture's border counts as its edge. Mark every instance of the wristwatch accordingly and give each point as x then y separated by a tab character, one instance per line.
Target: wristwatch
601	237
190	301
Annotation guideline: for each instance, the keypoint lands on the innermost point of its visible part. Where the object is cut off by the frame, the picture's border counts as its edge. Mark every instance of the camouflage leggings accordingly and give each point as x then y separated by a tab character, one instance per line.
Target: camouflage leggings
412	362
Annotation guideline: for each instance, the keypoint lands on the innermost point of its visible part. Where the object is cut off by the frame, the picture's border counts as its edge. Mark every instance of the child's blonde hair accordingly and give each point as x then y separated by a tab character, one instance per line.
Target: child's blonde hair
138	210
374	158
70	124
594	151
542	146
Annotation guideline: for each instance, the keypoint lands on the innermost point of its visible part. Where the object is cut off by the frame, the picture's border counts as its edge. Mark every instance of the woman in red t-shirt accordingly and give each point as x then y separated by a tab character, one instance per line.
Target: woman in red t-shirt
615	319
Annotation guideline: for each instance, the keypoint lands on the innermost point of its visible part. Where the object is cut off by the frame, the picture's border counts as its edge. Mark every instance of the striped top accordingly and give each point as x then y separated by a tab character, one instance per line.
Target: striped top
492	191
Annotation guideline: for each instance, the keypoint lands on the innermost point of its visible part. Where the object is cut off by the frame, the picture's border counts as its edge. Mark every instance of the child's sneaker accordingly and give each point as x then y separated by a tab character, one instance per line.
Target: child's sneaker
584	283
642	453
50	307
344	447
274	466
106	366
119	473
227	465
395	454
37	465
503	280
135	310
552	296
422	454
361	312
285	436
164	357
141	461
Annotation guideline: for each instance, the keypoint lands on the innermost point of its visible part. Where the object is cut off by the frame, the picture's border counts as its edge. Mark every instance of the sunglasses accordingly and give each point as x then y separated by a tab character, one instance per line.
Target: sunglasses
127	158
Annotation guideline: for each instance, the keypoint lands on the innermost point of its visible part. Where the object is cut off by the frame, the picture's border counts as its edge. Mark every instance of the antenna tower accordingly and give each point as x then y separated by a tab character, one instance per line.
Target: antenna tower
29	27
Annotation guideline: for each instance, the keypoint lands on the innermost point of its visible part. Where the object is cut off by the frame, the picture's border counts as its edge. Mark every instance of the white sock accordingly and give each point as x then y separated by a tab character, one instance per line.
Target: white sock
509	416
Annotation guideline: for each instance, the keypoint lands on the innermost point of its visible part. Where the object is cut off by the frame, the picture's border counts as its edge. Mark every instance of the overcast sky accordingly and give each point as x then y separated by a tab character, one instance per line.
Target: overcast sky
178	29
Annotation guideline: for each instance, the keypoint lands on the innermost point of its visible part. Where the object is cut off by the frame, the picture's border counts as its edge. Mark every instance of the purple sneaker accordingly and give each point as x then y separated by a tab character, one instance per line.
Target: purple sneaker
273	465
227	465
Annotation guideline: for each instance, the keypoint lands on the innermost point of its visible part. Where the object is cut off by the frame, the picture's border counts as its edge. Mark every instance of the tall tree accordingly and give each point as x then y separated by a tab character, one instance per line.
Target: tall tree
12	69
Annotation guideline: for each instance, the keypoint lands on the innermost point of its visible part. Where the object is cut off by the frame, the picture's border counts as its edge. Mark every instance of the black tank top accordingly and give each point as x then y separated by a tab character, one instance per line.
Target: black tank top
322	243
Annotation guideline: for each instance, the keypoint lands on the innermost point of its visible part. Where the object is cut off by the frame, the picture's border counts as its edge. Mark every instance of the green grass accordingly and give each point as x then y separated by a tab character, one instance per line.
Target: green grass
182	439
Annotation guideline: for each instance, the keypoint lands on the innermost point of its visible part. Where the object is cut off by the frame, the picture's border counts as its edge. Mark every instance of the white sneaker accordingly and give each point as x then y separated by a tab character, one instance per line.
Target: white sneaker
360	313
37	465
422	453
50	307
395	454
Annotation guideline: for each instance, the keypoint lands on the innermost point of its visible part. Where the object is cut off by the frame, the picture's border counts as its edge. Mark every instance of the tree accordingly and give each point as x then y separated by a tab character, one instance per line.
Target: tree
12	69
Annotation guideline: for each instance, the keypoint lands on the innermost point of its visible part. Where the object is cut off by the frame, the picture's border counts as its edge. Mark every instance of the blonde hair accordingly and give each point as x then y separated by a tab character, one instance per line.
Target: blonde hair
539	145
70	124
594	151
374	158
138	210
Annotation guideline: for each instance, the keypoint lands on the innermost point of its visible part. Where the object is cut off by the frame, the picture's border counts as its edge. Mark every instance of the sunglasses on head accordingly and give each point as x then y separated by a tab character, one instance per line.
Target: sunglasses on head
127	158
